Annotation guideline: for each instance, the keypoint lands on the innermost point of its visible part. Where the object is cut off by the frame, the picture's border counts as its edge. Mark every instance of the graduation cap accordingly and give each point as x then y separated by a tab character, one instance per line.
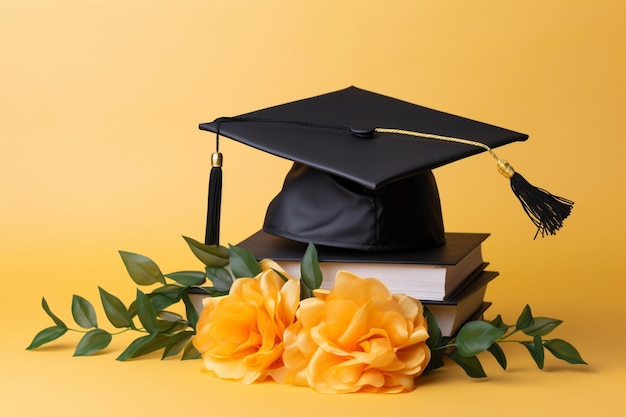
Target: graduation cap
362	172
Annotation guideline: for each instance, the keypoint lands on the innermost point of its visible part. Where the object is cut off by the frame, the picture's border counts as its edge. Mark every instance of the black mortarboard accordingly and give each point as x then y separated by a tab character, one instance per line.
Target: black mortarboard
362	169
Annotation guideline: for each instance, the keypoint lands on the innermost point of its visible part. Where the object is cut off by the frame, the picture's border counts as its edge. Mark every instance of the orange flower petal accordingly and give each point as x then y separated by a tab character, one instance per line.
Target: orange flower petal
358	337
240	335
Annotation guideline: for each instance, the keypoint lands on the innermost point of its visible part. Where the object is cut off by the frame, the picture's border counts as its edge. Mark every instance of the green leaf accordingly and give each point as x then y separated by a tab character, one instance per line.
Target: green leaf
310	271
497	322
221	279
93	342
564	351
159	342
142	269
161	301
163	297
536	350
172	291
190	311
169	328
188	278
242	263
542	326
498	353
436	360
190	352
47	335
54	318
212	292
169	316
525	320
83	312
177	343
281	275
210	255
146	312
115	310
476	337
433	330
470	364
305	292
135	346
170	322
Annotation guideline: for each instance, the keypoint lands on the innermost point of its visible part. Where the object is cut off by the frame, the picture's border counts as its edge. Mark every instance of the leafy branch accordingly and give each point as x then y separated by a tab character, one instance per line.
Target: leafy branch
163	329
148	315
476	337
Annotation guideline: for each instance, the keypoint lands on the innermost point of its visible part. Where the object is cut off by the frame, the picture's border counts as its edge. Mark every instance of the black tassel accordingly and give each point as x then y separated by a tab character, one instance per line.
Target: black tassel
546	210
212	236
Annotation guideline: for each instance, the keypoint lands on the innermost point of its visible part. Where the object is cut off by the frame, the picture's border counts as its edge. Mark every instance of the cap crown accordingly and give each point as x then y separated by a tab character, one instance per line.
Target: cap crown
328	210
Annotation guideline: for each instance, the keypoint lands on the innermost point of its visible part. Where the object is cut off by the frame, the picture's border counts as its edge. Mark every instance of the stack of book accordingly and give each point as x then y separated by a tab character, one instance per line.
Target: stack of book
450	280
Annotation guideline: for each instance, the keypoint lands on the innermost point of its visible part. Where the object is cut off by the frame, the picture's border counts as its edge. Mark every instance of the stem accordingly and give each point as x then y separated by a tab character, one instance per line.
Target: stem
503	339
505	336
444	346
112	334
522	341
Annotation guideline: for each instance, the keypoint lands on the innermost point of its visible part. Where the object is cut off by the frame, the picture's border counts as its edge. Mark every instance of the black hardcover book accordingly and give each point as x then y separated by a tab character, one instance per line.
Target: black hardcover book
452	313
426	274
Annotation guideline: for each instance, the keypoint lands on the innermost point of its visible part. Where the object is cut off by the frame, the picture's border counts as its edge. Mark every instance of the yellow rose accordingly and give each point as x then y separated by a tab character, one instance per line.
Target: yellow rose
240	335
357	337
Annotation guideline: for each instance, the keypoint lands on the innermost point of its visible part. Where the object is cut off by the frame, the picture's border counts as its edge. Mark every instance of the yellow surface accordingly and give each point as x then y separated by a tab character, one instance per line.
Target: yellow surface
99	107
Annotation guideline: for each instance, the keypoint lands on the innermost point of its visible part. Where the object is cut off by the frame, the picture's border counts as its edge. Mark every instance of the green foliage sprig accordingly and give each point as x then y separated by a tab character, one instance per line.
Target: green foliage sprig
172	332
147	314
476	337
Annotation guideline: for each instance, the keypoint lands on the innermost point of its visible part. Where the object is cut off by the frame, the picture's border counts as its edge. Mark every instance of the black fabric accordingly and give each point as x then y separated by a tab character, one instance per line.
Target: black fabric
328	210
316	132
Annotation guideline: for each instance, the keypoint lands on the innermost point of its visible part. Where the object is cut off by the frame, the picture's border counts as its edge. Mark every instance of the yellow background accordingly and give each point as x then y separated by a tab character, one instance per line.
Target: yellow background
99	107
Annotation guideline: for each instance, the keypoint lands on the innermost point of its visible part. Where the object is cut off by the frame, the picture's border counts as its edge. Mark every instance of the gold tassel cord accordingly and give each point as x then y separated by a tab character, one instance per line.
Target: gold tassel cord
447	139
545	210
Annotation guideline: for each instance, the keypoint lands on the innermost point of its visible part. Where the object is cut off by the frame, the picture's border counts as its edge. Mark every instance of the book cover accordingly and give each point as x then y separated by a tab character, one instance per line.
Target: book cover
457	247
452	313
432	274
